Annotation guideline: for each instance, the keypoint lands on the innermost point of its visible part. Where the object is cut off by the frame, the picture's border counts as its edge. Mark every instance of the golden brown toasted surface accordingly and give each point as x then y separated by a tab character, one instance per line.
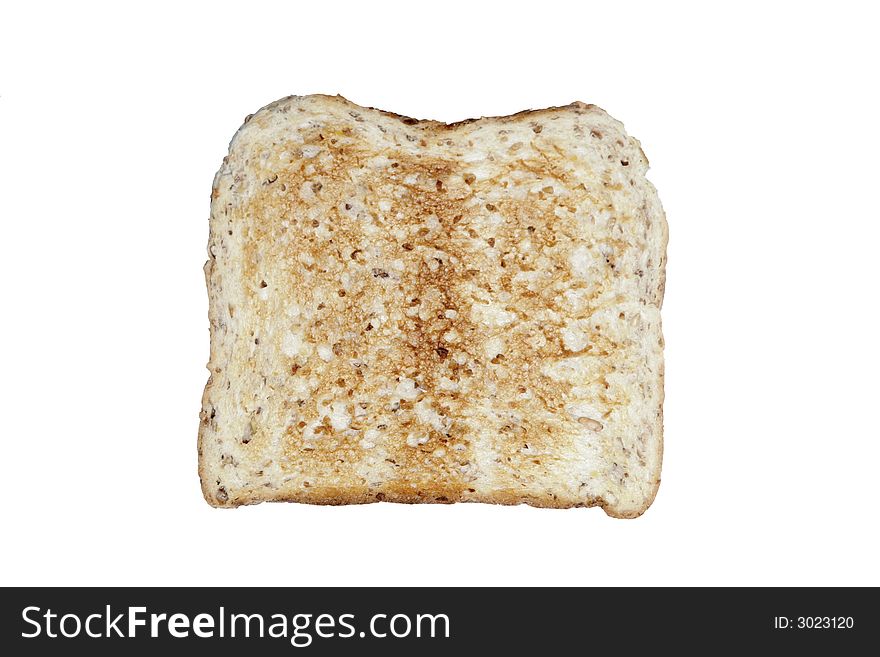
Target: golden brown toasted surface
410	311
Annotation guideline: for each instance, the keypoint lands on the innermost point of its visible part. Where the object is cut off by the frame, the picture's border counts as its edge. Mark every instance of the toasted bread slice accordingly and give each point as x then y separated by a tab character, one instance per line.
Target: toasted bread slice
411	311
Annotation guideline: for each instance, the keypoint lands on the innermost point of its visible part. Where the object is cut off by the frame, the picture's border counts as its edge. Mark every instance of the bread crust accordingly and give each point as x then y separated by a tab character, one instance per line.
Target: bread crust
221	495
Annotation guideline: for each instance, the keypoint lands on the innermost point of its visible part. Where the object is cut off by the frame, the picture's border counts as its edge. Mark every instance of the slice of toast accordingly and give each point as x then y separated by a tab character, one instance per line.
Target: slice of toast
411	311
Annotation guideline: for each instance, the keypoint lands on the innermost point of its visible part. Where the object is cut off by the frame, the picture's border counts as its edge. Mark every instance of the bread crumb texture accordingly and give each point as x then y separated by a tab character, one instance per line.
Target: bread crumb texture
411	311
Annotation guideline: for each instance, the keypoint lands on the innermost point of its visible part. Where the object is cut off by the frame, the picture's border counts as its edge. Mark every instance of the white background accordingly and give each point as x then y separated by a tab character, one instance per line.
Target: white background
760	121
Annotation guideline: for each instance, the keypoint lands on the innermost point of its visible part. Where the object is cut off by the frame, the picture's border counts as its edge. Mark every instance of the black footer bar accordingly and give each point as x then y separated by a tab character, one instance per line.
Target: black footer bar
428	621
